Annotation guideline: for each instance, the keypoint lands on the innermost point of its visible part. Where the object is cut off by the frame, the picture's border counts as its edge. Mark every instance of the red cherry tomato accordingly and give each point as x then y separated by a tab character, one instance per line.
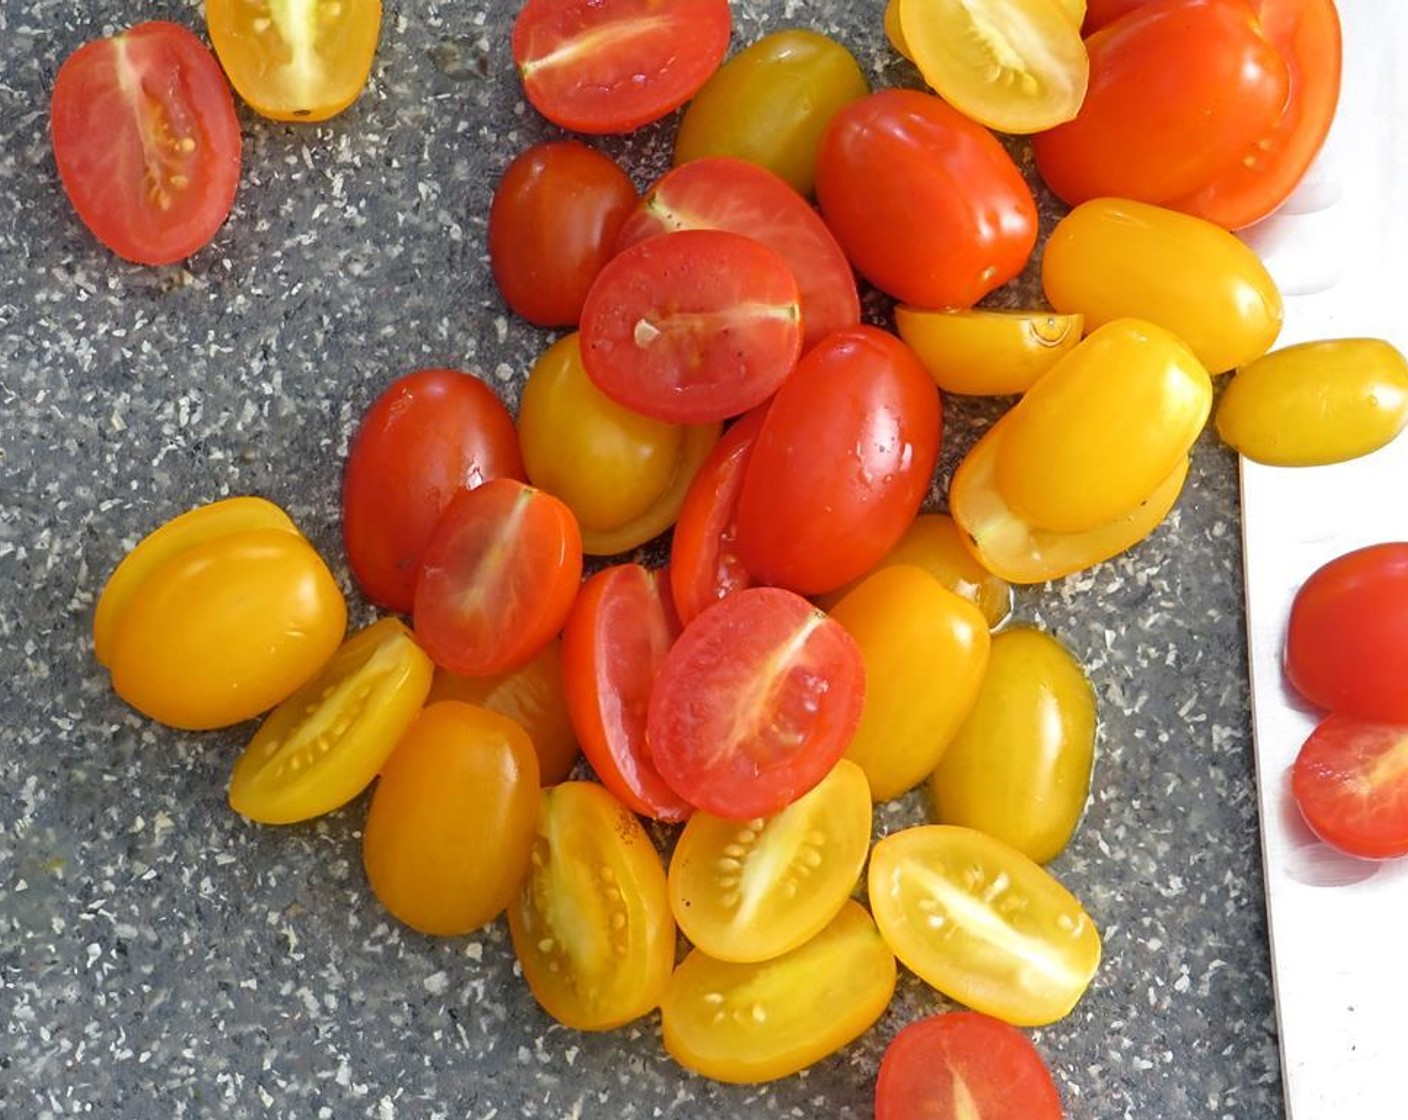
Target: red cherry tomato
925	202
498	578
754	703
701	325
841	465
615	640
614	65
964	1065
429	436
146	141
741	197
1100	12
552	226
1351	786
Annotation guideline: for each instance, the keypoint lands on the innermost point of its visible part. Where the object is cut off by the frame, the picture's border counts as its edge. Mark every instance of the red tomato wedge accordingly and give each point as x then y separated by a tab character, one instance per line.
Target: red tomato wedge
741	197
615	640
963	1065
613	65
498	578
754	703
701	325
1350	782
146	141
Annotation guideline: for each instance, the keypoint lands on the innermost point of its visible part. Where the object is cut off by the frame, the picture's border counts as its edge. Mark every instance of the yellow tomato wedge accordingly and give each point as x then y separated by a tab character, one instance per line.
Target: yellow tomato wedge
987	353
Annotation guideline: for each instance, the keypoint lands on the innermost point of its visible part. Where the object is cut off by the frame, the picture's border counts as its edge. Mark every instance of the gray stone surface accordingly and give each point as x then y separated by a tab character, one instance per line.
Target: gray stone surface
161	957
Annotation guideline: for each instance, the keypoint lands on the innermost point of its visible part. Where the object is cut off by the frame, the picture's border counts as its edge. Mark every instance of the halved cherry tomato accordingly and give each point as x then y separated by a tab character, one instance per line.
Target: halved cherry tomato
146	141
621	626
430	435
497	579
701	325
987	353
614	65
1350	782
753	890
449	831
739	197
962	1065
553	225
982	923
295	60
323	745
748	1023
754	703
591	924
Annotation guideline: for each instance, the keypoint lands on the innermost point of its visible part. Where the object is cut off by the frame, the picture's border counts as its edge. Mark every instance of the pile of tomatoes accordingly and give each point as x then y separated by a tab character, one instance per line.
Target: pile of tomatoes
816	643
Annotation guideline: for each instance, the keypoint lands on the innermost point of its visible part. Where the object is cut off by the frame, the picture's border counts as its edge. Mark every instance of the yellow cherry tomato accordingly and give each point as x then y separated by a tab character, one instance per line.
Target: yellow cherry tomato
925	649
748	1023
1316	403
752	890
450	829
591	924
1112	258
1019	767
979	921
987	353
325	743
1104	428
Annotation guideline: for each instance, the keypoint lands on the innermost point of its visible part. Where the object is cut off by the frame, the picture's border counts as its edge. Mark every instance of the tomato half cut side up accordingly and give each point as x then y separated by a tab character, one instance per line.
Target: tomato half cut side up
146	141
1350	782
754	703
498	578
603	66
701	325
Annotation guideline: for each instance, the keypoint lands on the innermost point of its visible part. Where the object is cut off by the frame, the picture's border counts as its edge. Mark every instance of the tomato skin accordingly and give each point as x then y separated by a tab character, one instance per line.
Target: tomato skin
1350	784
841	465
449	831
553	225
182	134
430	435
1347	637
987	353
927	204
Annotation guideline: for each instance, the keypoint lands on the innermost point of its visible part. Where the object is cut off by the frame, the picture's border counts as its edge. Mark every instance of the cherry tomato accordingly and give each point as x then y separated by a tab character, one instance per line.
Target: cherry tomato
748	1023
754	703
553	225
614	65
614	643
1347	639
1315	403
1100	12
449	831
498	578
962	1065
925	202
1013	65
729	194
987	353
982	923
146	141
770	103
1351	786
753	890
1018	767
302	61
912	632
842	463
430	435
323	745
591	924
701	325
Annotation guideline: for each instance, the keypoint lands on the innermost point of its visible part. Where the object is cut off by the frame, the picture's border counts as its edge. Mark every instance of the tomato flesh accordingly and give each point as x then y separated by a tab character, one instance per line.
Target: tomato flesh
1350	782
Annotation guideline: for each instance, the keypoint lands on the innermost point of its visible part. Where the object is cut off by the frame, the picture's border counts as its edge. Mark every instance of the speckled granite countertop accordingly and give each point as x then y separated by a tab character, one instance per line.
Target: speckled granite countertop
161	957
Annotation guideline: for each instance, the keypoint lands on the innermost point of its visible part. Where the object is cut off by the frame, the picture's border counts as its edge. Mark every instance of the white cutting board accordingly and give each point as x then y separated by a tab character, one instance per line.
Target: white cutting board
1339	926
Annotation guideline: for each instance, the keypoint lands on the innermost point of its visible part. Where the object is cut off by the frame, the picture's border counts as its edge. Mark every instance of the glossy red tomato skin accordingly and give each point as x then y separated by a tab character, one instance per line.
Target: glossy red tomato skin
1347	639
964	1056
430	435
616	637
842	464
100	131
927	204
553	224
1351	787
